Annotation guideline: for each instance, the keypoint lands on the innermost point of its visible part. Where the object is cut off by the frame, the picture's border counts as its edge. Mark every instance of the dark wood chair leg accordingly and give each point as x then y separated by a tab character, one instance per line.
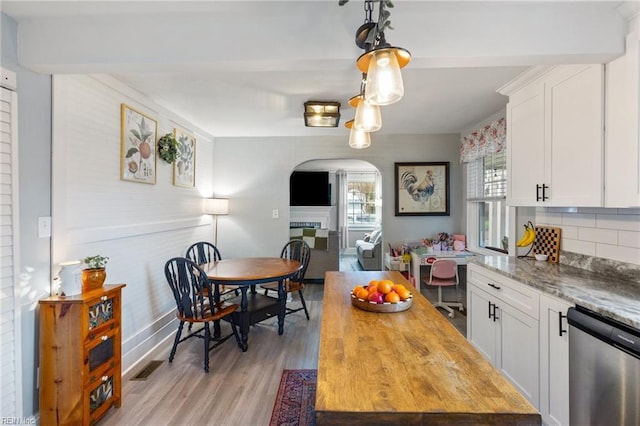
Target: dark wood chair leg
176	341
207	341
304	305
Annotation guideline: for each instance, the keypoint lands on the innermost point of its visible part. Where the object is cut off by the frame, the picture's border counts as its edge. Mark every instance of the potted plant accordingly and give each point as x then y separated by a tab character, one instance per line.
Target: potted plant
94	274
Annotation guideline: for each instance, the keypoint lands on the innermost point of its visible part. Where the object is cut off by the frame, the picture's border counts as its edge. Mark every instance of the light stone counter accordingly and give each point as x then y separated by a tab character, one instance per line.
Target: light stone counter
608	295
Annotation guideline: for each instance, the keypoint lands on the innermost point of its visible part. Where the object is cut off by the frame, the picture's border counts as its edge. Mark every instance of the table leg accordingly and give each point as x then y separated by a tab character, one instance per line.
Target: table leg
244	320
216	324
282	306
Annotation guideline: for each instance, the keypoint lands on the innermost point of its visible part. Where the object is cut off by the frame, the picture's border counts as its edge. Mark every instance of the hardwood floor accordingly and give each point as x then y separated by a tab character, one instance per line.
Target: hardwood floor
240	388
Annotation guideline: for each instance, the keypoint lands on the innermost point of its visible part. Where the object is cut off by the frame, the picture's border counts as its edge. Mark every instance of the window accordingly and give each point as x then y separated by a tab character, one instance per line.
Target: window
361	199
486	200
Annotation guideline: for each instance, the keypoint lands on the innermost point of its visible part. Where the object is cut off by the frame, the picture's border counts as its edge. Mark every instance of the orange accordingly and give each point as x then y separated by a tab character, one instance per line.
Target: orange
392	297
362	294
356	288
372	289
404	294
398	287
373	282
385	286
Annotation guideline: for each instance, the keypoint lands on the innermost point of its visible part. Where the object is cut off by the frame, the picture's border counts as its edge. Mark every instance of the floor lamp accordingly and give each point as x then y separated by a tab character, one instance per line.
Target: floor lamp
216	207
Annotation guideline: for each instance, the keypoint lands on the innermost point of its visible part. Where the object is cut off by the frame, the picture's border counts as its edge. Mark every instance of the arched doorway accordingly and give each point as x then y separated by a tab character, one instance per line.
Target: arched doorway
354	210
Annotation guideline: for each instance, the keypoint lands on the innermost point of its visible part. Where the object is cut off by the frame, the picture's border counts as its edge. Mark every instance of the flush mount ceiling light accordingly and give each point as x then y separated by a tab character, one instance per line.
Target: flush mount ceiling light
321	114
357	138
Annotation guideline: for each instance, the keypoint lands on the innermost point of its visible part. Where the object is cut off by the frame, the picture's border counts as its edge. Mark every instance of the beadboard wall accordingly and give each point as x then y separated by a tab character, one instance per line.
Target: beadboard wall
138	226
598	232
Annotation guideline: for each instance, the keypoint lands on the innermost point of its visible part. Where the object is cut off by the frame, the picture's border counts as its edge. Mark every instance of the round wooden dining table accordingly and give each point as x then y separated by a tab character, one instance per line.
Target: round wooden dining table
246	273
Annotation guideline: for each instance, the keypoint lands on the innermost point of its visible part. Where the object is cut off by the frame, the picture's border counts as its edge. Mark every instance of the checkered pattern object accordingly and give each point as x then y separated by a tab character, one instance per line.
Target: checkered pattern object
547	242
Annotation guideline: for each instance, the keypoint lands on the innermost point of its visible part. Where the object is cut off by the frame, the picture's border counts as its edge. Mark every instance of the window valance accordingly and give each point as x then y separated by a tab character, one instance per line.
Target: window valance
488	140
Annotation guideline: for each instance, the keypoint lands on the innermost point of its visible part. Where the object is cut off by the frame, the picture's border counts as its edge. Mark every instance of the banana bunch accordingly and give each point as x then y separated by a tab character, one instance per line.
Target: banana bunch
528	237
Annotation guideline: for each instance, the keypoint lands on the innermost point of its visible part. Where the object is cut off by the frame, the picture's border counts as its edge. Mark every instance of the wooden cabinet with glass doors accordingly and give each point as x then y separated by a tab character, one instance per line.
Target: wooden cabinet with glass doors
80	356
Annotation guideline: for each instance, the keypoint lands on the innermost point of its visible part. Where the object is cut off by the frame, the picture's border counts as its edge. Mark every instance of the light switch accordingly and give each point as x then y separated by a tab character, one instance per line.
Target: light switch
275	214
44	227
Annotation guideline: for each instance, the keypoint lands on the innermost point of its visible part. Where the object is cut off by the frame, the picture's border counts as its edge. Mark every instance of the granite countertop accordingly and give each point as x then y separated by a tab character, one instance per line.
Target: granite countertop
611	297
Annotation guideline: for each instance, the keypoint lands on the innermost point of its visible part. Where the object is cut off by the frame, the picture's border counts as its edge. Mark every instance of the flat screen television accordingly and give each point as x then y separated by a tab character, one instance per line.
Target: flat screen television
309	189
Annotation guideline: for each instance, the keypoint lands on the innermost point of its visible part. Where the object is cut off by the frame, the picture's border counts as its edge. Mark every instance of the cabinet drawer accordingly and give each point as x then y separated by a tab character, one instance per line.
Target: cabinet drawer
518	295
101	394
101	353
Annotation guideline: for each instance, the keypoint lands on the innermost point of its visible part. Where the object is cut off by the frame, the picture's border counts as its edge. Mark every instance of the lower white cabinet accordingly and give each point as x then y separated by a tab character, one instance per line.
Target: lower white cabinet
524	333
554	360
502	323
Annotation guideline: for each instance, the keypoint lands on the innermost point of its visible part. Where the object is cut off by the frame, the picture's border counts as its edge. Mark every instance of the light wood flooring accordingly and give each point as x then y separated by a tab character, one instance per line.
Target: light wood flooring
240	388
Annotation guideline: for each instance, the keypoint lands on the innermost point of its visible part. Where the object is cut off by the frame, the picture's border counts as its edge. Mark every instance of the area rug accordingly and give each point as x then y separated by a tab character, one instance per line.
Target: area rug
296	399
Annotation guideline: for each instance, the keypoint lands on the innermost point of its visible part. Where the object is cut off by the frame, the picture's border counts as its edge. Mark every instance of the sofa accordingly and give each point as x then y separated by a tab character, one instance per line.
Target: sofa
369	251
323	260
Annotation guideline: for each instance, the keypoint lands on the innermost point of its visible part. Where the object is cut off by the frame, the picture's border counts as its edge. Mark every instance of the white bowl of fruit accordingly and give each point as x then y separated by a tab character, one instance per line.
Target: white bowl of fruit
381	296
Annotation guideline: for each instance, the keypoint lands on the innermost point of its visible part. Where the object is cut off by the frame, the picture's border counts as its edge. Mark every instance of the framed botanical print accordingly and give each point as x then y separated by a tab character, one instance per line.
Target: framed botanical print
422	189
137	146
184	168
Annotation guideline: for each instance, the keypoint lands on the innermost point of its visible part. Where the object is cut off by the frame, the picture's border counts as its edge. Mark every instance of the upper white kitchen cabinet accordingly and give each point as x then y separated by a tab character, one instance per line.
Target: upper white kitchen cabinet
555	136
622	137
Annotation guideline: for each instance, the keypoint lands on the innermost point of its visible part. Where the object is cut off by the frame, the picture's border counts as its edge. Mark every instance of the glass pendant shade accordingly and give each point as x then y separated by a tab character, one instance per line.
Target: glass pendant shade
357	138
368	117
384	79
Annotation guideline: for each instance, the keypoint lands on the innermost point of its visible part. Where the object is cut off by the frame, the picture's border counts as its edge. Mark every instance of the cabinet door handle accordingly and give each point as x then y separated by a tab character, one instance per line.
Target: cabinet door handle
495	308
490	309
537	192
560	329
497	287
544	192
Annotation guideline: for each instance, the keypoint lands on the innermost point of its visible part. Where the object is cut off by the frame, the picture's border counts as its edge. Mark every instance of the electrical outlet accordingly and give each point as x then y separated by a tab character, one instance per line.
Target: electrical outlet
44	227
275	214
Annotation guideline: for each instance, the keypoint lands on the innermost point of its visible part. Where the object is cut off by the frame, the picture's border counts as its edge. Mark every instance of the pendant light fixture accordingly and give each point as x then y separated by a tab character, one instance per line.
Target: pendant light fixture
357	138
368	117
382	65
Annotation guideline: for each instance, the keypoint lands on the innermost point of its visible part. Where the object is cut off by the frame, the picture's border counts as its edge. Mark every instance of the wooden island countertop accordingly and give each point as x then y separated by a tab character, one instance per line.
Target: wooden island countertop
411	367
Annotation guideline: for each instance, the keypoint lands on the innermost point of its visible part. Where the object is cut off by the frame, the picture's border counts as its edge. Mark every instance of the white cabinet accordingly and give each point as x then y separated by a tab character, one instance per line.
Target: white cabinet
555	134
502	323
622	136
554	360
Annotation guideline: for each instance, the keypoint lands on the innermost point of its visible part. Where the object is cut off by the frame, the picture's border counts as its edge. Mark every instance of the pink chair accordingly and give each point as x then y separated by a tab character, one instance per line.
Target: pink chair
444	272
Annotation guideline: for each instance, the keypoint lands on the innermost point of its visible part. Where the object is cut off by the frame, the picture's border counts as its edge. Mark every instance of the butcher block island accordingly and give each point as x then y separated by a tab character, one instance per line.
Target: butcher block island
410	367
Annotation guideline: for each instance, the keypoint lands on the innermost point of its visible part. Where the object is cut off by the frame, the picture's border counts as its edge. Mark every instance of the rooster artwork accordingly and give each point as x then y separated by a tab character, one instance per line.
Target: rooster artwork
422	188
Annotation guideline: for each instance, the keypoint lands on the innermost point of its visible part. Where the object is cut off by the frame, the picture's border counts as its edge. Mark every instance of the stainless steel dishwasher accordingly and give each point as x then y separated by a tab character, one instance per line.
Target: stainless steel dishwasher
604	370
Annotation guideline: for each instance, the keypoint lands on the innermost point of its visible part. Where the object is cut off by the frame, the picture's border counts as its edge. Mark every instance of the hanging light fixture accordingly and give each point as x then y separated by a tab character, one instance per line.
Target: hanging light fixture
381	62
357	138
368	117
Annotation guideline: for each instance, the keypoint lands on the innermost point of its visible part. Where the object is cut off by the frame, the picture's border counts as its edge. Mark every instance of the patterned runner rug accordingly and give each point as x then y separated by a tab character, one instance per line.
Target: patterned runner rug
296	399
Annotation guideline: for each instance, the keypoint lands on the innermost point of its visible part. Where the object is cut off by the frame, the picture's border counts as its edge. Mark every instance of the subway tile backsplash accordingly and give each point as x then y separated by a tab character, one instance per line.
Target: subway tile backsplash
598	239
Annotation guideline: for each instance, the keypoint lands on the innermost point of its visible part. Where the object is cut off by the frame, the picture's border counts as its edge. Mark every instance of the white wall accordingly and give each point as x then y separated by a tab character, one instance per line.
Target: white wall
138	226
608	233
254	174
34	187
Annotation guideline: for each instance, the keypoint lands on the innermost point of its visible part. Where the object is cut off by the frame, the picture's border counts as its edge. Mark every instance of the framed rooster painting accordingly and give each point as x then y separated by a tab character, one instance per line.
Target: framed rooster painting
422	189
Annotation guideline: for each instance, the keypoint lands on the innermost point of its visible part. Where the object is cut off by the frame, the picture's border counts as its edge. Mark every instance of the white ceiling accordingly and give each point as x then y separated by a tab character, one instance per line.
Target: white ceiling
245	68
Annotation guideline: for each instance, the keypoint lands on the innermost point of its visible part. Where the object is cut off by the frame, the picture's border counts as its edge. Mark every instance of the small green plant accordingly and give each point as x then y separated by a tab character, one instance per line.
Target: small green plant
95	262
168	148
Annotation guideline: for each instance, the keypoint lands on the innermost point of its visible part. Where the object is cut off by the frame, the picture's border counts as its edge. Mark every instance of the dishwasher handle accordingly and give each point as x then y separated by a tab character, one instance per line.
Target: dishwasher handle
605	329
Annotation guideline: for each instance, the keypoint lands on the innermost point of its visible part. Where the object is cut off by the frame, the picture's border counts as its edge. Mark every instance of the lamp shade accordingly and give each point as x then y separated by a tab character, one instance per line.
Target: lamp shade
368	117
216	206
357	138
